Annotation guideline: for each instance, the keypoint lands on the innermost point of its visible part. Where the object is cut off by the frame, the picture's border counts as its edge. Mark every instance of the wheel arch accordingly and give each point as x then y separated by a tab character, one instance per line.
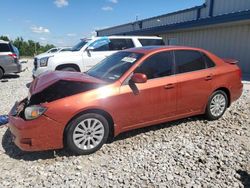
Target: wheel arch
75	66
227	91
2	69
96	111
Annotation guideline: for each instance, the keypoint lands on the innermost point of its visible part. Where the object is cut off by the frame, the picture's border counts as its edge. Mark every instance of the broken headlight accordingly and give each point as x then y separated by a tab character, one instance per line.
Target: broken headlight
33	112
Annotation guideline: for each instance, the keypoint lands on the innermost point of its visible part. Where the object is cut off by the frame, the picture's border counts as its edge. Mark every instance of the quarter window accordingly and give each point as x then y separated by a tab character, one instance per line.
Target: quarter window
158	65
4	47
151	42
208	61
188	61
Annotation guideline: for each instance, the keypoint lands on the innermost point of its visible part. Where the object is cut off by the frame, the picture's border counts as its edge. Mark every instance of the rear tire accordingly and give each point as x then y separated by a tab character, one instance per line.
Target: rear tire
71	69
217	105
1	73
86	134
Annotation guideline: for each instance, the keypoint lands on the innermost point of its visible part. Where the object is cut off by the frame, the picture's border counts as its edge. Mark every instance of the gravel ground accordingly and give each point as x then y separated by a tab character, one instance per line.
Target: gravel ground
188	153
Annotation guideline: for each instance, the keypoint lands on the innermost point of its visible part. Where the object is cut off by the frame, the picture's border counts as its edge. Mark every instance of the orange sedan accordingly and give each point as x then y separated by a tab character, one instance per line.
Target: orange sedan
128	90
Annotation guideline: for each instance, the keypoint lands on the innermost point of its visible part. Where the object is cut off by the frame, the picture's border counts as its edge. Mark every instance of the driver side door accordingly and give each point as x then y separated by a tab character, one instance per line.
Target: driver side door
156	100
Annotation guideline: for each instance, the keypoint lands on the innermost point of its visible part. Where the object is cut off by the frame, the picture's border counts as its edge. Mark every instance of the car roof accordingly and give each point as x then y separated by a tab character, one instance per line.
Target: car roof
149	49
140	37
3	41
123	37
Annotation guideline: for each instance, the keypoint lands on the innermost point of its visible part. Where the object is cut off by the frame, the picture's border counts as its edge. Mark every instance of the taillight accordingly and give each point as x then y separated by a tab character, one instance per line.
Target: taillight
13	55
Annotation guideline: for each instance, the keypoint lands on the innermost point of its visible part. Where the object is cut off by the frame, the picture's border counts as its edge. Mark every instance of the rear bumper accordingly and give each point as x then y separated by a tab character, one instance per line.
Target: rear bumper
13	68
40	134
236	92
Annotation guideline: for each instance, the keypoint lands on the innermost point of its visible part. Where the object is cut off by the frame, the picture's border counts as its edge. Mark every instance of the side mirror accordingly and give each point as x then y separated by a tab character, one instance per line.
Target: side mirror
89	49
139	78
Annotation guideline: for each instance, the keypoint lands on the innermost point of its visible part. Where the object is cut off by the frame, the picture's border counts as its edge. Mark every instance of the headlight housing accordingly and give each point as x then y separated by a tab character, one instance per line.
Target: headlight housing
33	112
44	61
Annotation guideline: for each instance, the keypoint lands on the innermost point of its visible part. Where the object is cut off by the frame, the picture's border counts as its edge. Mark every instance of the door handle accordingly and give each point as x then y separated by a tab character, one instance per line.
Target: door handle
169	86
209	77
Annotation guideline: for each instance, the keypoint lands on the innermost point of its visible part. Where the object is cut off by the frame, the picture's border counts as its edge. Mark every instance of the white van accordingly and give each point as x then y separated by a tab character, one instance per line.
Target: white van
89	52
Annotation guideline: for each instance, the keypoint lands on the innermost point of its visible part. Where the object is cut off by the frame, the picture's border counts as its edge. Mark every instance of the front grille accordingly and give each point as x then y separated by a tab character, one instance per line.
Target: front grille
35	63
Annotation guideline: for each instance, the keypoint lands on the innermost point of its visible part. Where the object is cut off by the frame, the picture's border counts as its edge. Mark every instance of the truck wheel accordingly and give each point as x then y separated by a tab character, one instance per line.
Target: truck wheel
217	105
1	73
71	69
86	134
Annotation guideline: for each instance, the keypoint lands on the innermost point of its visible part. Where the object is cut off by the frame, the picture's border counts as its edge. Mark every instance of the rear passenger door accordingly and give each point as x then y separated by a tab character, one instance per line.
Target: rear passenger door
193	81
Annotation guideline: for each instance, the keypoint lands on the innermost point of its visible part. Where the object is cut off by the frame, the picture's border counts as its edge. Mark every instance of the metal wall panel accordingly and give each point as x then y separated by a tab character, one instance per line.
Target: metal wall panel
227	41
228	6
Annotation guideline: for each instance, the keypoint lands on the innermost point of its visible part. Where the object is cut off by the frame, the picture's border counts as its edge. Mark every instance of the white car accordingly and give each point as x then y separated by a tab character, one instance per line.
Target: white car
89	52
53	51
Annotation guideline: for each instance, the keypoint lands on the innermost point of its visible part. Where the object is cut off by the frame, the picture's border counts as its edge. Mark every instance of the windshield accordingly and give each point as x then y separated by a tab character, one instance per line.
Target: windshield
113	67
79	45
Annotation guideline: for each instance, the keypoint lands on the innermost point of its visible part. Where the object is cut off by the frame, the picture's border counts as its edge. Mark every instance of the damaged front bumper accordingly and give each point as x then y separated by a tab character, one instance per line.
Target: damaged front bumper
39	134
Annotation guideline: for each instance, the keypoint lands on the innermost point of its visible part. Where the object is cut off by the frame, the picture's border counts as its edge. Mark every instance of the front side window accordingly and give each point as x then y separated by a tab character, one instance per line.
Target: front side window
113	67
151	42
100	45
158	65
121	44
188	61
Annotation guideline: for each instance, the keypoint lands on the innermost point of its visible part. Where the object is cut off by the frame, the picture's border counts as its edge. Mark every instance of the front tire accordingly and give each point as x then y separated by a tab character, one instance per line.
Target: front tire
1	73
217	105
87	133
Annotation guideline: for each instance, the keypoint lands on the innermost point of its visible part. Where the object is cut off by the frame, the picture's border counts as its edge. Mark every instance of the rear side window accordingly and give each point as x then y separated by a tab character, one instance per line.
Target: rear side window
208	61
188	61
158	65
151	42
121	44
5	48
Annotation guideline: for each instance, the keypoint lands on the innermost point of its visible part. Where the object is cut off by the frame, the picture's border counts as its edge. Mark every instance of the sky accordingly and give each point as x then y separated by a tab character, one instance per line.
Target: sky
64	22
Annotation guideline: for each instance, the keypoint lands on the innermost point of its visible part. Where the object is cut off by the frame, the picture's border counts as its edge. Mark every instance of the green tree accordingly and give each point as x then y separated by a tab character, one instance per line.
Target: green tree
4	38
28	48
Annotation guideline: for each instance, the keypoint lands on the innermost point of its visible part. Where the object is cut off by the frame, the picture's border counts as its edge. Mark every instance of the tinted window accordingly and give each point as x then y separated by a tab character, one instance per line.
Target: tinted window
151	42
187	61
121	44
4	48
101	45
158	65
208	61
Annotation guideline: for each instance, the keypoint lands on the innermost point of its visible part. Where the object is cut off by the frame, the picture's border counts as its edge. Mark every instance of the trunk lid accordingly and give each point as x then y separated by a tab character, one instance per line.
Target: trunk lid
230	61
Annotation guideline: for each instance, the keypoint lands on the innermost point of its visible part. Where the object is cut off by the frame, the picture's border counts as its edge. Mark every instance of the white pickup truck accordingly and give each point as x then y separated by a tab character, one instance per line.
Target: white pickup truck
89	52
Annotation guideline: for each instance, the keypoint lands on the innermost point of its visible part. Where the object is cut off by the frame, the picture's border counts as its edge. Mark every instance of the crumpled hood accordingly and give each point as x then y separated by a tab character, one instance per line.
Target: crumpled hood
49	78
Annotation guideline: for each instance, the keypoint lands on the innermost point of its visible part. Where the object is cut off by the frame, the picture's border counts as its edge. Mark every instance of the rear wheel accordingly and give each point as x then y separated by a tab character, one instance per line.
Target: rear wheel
87	133
217	105
1	73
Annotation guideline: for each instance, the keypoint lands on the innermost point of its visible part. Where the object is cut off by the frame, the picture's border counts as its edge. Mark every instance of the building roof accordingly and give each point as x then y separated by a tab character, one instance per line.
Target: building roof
232	17
210	13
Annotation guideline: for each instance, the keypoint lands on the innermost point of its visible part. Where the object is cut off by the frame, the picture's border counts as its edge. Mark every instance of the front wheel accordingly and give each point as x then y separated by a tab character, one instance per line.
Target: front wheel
217	105
87	133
